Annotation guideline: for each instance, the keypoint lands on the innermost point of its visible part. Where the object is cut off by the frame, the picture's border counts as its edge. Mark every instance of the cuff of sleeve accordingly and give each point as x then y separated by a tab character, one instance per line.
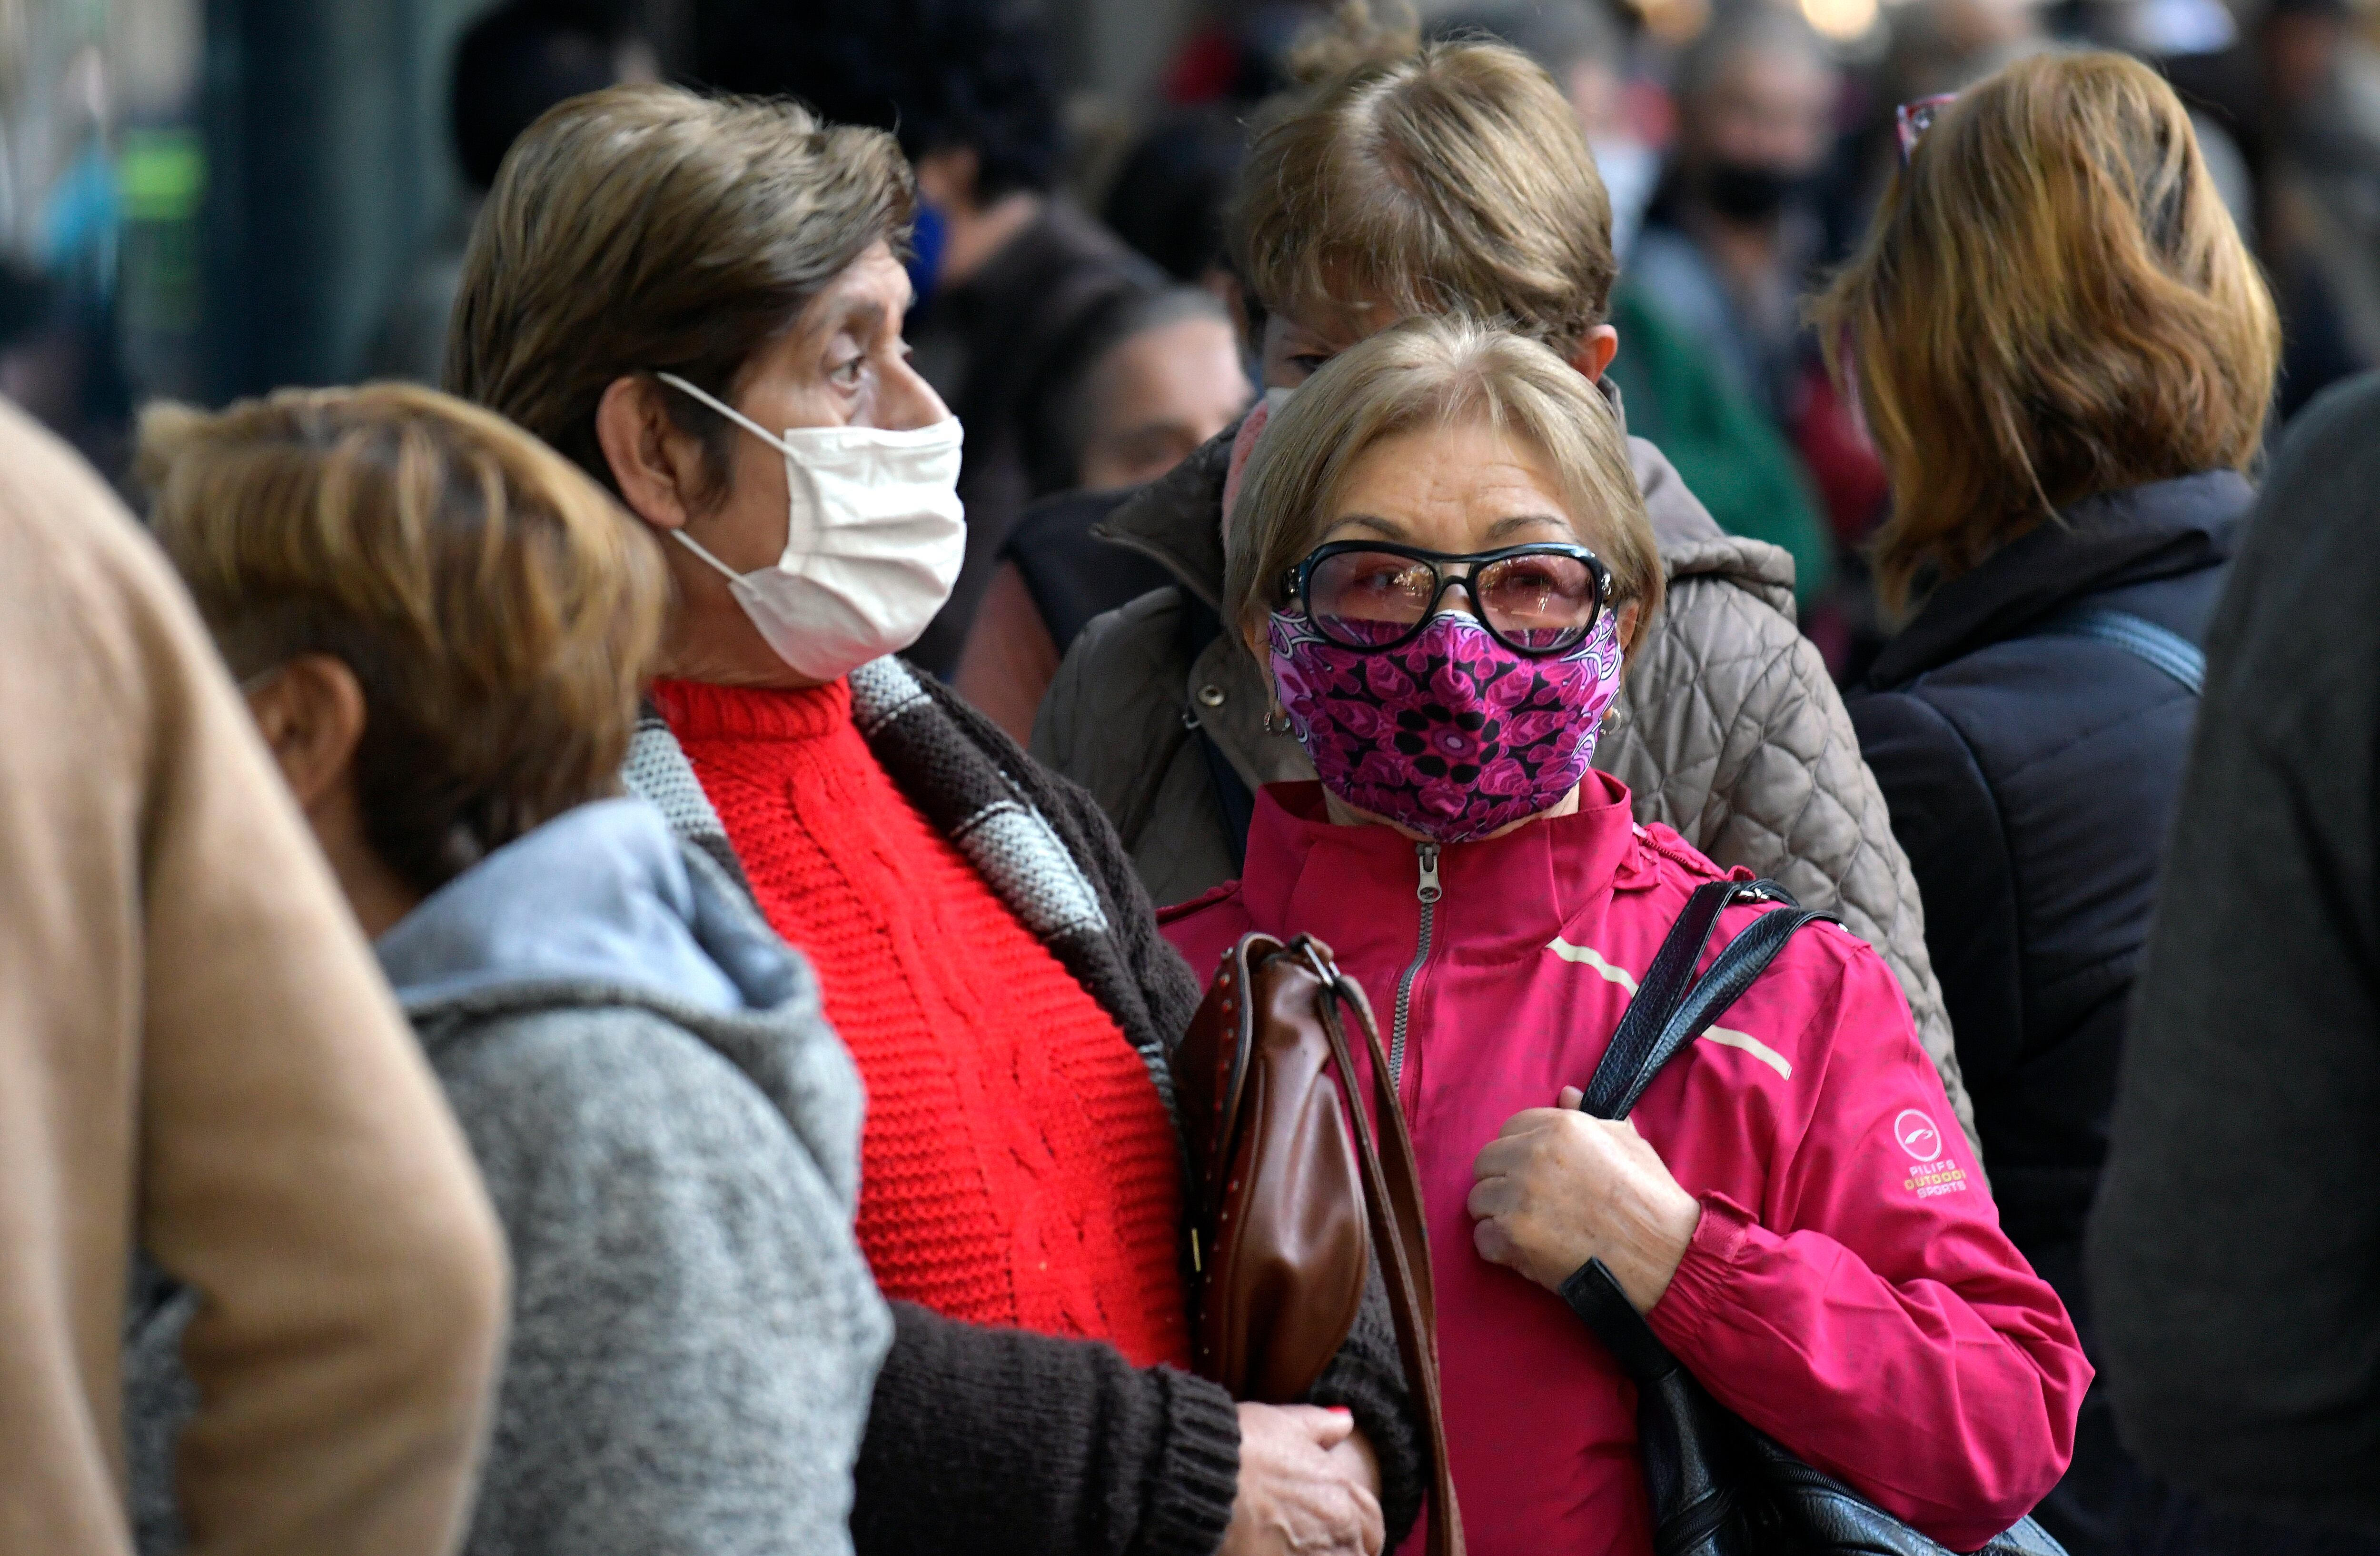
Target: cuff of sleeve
1698	1289
1196	1473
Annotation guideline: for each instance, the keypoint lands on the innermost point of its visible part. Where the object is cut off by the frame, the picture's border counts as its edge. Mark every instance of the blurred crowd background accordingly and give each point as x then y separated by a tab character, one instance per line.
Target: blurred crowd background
204	198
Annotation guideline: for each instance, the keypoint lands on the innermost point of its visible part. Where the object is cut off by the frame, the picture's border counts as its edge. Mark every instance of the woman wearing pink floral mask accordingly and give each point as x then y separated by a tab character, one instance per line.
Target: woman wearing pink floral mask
1438	545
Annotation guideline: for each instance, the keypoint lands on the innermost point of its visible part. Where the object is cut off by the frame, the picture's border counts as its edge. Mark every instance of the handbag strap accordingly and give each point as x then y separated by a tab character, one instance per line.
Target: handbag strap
1393	1202
1672	1008
2160	646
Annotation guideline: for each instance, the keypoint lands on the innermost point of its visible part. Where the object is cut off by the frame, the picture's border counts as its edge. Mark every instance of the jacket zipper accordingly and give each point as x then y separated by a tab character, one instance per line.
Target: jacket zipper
1428	891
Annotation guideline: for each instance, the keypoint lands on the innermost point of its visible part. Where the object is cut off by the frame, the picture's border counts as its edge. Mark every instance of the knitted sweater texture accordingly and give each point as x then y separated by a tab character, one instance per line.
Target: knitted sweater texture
1018	1167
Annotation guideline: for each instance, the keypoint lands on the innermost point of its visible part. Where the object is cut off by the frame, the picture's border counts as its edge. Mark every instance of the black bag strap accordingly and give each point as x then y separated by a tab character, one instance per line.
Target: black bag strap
1698	1466
1672	1008
2159	646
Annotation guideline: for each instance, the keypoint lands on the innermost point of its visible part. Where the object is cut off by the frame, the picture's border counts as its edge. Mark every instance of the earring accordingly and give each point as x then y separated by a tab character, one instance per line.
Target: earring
1276	720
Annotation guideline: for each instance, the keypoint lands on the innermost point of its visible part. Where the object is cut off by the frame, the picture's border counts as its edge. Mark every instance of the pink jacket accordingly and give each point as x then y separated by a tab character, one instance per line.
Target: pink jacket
1849	1291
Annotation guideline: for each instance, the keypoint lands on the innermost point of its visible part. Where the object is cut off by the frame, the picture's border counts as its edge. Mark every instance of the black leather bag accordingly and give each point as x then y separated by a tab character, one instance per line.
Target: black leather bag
1718	1485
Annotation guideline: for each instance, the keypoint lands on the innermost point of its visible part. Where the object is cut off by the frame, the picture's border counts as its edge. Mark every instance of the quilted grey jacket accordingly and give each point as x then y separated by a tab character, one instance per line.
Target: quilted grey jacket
1730	729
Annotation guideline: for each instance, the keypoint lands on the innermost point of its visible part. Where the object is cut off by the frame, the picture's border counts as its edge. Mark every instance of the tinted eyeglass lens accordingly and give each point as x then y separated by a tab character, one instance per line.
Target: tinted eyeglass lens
1367	598
1543	603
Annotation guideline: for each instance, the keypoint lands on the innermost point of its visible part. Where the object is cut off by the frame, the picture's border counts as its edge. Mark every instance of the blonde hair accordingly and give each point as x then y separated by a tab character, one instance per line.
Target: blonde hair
646	228
2052	303
499	610
1447	178
1434	372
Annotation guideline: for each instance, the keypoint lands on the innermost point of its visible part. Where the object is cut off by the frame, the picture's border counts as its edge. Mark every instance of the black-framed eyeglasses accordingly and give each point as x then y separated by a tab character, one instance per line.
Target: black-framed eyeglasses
1912	120
1537	600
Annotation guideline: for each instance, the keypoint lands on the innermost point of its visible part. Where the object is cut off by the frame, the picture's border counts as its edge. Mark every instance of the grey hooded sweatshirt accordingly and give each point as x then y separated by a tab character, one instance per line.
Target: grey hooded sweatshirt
670	1132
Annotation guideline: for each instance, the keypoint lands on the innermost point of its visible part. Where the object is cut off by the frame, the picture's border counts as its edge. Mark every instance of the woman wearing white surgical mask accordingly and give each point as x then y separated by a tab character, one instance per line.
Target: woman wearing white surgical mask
874	534
701	302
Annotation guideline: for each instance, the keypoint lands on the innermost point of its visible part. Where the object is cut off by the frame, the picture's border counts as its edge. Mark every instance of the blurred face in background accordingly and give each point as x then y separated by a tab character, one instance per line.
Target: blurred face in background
1764	122
1155	397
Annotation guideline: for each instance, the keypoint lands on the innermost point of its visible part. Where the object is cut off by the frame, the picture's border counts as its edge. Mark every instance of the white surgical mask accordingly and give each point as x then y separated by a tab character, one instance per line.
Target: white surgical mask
872	545
1631	170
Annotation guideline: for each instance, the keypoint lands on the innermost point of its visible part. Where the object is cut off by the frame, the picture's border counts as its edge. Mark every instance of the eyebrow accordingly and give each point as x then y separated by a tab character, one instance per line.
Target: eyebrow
857	317
867	316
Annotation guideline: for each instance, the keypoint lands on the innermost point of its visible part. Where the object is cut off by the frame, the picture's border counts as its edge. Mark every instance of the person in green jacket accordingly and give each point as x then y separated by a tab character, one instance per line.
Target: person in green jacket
1729	454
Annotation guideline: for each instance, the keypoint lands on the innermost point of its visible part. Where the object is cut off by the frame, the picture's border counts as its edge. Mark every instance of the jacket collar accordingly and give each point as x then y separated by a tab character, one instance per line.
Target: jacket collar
1176	521
2159	531
1355	886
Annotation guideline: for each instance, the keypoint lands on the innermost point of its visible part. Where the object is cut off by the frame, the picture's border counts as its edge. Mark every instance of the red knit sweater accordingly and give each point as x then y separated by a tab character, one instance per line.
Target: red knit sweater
1017	1166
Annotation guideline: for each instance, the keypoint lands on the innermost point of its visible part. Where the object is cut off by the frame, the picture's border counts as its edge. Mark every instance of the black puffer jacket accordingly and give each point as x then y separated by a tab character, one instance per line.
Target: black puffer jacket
2031	775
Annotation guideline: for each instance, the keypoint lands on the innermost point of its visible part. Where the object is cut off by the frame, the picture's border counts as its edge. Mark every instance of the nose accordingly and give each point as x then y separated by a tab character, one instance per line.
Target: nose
906	401
1447	599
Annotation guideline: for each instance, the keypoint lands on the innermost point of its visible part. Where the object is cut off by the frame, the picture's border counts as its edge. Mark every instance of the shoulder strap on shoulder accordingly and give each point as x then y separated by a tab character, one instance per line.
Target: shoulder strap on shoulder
1664	988
2166	649
1672	1008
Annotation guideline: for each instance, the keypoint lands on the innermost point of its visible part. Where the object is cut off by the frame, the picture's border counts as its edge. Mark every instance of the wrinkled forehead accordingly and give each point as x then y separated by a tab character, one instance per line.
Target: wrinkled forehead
1452	483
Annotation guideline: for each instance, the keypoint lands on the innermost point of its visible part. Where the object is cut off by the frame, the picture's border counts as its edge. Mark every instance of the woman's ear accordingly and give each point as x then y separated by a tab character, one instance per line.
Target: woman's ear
657	466
1631	615
310	712
1595	353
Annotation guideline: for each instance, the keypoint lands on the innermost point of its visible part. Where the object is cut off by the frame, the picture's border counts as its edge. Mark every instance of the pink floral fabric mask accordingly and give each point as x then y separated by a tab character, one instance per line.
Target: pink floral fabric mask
1452	734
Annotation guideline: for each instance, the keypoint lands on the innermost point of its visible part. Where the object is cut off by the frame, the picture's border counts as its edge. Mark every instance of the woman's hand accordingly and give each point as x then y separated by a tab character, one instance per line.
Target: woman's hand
1309	1486
1558	1188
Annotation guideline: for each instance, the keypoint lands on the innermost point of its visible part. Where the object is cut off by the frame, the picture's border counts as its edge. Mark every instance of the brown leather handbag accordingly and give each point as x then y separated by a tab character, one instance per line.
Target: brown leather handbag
1288	1211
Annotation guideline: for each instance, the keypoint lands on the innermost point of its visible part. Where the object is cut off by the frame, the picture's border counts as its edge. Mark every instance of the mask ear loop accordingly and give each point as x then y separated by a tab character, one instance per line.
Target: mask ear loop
724	408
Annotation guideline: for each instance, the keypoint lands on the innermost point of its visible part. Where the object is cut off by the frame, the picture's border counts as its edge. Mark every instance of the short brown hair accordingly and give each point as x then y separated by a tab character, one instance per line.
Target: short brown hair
647	228
499	610
1447	178
1435	371
2053	302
